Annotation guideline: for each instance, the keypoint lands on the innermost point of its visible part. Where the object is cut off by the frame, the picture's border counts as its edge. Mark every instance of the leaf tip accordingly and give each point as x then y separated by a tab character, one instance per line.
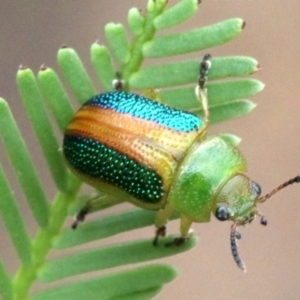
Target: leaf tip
3	103
43	67
258	67
244	24
22	67
251	105
113	26
260	86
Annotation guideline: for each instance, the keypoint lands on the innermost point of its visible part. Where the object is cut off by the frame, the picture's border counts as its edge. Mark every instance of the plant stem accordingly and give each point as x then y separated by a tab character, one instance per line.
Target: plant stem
136	50
42	243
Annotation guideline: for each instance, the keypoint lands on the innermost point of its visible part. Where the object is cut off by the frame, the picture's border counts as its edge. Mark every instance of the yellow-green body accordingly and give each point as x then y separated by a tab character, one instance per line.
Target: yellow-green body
156	157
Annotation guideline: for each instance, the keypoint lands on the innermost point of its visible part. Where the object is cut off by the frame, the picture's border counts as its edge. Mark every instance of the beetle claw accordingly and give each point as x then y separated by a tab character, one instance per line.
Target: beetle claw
263	221
176	242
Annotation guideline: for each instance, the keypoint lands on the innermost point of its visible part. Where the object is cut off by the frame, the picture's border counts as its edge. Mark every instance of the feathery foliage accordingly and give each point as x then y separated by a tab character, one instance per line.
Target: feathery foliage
44	94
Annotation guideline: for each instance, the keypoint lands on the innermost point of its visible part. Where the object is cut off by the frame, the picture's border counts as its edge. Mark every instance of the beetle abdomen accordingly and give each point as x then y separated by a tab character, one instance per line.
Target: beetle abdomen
129	142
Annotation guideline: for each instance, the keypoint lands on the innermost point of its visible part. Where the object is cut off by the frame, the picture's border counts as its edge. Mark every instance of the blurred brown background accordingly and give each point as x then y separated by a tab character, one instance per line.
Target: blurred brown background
31	31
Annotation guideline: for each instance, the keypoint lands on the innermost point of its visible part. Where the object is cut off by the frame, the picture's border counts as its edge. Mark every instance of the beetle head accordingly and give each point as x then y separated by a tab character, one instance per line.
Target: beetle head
237	201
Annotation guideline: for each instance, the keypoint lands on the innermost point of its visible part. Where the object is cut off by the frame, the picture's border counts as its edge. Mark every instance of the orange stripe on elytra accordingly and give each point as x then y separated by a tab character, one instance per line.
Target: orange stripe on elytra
171	140
137	139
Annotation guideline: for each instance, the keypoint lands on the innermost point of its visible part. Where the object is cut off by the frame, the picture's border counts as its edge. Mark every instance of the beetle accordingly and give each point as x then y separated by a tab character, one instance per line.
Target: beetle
160	158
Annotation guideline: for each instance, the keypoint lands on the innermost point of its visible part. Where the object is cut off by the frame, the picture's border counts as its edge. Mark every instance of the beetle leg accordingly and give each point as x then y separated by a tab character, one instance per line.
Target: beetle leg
89	206
80	217
118	82
201	91
202	97
185	227
185	230
160	222
94	203
160	231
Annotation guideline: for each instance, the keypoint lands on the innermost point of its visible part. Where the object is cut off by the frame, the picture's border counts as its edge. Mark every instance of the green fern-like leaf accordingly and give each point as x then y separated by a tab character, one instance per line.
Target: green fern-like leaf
44	94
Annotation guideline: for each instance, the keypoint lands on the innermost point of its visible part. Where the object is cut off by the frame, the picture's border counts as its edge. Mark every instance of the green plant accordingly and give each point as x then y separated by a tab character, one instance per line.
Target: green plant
45	94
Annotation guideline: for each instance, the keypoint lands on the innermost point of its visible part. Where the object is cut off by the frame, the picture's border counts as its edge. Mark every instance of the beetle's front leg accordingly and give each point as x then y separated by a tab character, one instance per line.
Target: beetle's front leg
185	230
160	222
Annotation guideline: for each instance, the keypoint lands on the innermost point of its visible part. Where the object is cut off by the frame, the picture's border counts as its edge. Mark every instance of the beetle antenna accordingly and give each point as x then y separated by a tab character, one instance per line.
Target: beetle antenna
285	184
234	235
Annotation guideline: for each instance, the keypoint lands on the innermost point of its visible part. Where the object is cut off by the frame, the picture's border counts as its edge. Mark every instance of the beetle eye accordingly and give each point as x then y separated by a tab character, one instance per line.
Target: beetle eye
222	213
256	188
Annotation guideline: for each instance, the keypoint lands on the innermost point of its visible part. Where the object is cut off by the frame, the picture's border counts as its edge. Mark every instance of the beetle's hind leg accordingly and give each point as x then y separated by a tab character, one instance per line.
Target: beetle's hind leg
185	230
92	204
80	216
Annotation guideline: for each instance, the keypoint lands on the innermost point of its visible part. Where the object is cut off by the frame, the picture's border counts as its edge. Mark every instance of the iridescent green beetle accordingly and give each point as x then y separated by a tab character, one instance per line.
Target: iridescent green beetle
159	158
